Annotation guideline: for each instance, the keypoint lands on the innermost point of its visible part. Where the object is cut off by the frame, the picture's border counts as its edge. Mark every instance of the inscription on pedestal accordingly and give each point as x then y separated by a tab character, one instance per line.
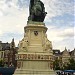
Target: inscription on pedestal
33	57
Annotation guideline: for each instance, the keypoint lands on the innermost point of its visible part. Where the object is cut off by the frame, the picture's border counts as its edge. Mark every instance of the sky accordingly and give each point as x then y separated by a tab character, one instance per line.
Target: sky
59	21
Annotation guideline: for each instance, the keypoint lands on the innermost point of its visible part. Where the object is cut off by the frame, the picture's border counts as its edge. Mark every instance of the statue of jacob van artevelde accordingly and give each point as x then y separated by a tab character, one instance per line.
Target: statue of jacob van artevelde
36	11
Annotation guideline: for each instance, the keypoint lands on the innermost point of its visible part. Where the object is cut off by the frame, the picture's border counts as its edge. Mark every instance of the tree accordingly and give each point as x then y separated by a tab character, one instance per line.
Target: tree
71	65
1	63
56	65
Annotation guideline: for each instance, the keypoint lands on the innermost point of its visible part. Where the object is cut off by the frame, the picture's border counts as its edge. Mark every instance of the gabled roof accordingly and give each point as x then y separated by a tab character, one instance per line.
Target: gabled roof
65	52
5	46
72	53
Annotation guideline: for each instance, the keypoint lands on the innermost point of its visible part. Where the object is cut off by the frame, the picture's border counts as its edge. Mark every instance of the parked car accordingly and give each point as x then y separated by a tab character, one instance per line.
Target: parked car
69	72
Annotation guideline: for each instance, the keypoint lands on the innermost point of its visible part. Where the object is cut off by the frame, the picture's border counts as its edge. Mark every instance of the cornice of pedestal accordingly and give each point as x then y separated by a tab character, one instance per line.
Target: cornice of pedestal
35	25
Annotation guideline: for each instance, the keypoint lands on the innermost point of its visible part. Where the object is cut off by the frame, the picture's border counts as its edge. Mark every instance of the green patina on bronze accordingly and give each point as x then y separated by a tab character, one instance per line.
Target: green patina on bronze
36	11
36	23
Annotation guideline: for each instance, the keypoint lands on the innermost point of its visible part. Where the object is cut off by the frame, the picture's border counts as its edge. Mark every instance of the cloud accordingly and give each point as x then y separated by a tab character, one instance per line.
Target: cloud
23	3
57	34
14	16
1	13
61	37
58	7
67	33
1	32
68	43
17	36
15	19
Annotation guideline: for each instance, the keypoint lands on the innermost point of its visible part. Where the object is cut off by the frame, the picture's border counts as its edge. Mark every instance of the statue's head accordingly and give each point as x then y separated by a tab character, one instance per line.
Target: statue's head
36	1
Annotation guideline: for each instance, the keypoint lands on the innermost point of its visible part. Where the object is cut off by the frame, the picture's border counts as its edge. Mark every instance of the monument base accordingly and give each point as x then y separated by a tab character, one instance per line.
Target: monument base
35	55
33	72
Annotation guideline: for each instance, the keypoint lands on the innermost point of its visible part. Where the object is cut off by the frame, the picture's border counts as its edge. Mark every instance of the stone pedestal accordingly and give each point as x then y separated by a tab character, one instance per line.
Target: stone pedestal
35	55
34	72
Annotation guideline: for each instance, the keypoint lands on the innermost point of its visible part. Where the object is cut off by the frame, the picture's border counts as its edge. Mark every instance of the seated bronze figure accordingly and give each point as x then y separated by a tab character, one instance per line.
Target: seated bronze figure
36	11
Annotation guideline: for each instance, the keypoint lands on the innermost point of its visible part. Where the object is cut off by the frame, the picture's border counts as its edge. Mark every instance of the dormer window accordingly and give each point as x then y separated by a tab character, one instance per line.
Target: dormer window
56	52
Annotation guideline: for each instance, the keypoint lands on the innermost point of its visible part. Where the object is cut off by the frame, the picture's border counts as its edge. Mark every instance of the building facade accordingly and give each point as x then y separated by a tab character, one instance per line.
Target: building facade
64	56
72	54
7	53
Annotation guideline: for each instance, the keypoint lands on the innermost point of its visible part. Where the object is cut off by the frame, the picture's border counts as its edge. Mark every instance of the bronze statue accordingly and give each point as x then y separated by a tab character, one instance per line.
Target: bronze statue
36	11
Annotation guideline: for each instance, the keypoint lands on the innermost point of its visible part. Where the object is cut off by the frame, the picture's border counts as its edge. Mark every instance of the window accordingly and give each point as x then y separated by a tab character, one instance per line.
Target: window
56	52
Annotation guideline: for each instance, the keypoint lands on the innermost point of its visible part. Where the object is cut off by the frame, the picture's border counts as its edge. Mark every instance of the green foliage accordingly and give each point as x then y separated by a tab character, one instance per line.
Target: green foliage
56	65
5	65
71	65
1	63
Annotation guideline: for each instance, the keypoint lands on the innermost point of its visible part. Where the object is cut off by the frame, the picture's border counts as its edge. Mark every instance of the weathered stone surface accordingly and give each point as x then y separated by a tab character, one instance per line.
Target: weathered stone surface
35	51
35	39
34	72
